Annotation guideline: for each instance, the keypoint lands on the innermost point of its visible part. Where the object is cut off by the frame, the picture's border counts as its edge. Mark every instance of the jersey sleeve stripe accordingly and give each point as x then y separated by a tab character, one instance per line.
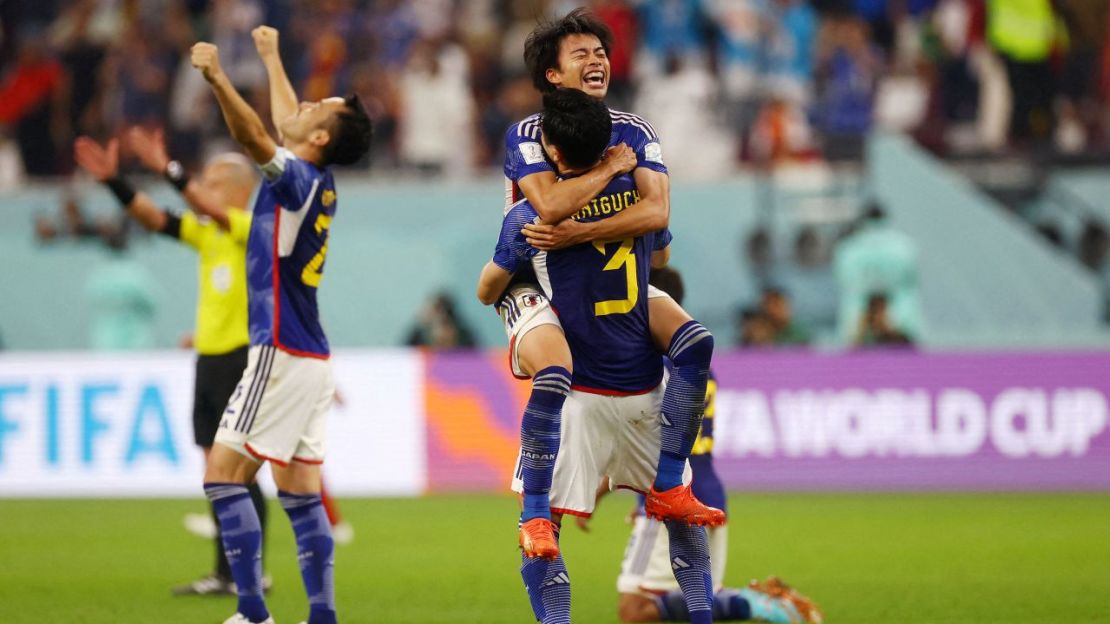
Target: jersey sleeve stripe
636	121
527	126
291	226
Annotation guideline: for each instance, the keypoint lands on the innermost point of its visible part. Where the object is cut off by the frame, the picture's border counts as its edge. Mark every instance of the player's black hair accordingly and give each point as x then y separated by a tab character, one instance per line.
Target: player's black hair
577	124
541	49
350	132
669	281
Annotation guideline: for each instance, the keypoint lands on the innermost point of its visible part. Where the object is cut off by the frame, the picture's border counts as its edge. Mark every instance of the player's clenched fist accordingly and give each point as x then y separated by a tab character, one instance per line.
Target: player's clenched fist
265	40
206	58
620	158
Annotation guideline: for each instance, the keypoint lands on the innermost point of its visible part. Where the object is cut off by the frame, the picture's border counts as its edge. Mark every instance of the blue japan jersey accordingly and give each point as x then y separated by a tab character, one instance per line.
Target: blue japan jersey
524	153
599	291
285	255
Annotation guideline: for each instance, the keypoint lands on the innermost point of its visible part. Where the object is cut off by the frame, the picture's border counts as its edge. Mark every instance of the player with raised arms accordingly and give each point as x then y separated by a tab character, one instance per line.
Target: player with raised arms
611	417
573	53
278	412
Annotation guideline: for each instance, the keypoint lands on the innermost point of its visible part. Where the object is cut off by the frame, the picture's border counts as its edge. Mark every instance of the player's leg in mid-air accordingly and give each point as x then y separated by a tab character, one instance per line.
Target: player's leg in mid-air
573	53
538	350
689	346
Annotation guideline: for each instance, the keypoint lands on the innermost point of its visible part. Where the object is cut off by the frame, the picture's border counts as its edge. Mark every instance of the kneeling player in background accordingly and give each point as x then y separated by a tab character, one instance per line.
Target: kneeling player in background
648	591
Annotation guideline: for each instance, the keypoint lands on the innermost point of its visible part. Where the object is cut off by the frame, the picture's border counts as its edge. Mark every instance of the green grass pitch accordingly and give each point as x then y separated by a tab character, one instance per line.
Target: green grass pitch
905	558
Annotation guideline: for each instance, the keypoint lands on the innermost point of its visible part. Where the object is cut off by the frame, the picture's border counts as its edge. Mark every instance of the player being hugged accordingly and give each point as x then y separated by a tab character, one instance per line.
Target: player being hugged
573	53
279	409
611	419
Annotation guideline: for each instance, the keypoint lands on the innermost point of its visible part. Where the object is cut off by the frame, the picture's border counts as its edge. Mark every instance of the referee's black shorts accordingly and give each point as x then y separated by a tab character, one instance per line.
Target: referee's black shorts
216	378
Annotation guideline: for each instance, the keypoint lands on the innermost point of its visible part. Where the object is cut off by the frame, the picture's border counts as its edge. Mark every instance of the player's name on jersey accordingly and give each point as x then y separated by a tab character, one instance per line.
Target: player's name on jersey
605	205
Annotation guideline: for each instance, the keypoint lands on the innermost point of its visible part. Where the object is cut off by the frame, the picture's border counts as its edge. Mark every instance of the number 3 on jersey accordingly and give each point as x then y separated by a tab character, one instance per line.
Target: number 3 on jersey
622	258
314	270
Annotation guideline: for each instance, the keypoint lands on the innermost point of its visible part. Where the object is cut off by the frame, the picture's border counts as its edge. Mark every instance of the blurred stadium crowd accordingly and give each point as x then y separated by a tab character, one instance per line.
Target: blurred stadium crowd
724	81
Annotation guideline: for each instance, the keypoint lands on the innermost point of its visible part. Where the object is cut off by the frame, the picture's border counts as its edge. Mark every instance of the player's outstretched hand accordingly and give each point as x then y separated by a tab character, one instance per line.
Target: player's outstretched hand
620	159
150	146
565	233
206	58
265	41
102	163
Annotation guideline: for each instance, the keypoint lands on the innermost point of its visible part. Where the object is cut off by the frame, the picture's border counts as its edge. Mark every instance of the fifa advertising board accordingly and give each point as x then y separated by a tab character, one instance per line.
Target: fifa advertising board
408	422
79	424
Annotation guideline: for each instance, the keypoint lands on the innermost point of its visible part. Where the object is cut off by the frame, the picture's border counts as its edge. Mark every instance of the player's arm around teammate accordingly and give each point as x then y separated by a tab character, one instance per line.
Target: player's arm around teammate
572	53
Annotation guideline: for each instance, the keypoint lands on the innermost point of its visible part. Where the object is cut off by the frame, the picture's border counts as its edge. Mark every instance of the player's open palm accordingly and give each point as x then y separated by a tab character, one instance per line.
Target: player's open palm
102	163
206	57
149	145
265	40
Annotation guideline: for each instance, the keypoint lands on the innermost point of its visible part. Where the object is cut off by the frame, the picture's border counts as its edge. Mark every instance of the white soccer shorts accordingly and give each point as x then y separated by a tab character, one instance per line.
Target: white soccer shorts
646	568
523	308
655	293
604	436
279	410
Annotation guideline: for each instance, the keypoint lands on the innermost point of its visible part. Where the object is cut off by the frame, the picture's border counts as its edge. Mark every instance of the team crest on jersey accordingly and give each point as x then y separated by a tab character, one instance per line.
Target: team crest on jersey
328	198
531	300
532	153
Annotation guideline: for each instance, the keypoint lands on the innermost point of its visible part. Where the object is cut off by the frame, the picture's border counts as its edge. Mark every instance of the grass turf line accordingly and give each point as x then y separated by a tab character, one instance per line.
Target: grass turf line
907	558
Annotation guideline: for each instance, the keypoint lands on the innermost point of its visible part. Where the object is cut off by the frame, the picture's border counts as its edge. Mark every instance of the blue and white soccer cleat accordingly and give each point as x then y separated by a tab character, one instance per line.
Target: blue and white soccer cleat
777	588
768	608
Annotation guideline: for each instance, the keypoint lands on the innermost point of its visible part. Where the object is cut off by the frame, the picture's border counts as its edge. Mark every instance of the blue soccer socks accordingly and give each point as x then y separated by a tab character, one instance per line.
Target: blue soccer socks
691	352
689	547
548	586
315	552
242	537
539	439
729	605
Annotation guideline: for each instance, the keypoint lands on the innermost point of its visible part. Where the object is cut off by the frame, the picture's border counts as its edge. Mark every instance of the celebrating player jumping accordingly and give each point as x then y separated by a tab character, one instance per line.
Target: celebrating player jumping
573	53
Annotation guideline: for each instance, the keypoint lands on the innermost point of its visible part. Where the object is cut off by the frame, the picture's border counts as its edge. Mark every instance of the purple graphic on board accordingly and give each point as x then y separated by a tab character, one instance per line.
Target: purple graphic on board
911	421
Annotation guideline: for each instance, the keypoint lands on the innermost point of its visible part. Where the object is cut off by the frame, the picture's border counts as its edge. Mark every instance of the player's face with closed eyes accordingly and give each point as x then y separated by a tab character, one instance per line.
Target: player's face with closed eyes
583	65
310	116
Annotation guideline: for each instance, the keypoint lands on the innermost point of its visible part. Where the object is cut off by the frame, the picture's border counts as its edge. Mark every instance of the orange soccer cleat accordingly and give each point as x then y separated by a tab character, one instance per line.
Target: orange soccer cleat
679	503
537	539
778	588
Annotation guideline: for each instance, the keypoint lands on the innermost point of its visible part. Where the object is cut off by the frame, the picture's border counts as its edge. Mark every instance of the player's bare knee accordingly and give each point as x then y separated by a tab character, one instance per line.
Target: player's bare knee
665	317
543	347
297	477
636	608
226	465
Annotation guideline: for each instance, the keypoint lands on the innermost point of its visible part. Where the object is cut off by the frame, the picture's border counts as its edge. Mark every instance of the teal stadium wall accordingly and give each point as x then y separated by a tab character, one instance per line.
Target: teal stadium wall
394	244
986	279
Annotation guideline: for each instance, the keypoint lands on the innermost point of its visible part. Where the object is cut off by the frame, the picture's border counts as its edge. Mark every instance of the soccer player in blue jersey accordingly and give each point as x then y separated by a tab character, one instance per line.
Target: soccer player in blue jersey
573	53
611	417
278	412
647	589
